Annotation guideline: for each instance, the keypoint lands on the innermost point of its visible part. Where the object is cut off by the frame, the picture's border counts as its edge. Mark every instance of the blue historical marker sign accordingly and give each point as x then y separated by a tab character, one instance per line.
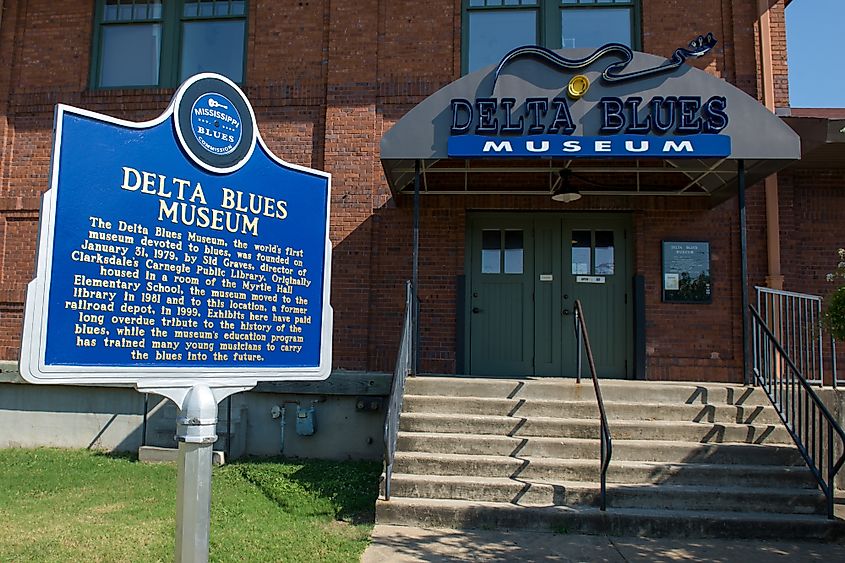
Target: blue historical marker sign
179	248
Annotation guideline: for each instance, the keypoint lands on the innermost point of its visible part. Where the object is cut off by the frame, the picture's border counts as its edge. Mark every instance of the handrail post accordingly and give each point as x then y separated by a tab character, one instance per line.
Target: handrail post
754	341
603	475
579	344
833	361
831	475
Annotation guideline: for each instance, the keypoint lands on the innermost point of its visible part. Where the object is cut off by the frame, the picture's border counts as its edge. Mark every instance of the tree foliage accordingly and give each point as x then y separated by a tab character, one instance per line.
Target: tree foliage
834	316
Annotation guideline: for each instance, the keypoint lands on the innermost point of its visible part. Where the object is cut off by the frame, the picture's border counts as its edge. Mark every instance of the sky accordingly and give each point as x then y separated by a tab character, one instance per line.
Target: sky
814	34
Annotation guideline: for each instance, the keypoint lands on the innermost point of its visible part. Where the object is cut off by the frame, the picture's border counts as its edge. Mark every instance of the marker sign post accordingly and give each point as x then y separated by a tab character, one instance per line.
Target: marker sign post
181	256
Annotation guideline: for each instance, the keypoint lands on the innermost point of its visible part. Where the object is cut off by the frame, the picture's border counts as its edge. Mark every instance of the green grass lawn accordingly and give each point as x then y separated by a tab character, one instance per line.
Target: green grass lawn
69	505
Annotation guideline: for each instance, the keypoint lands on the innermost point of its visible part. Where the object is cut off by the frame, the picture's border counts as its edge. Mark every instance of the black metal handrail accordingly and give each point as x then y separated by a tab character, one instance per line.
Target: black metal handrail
606	443
805	417
404	366
795	320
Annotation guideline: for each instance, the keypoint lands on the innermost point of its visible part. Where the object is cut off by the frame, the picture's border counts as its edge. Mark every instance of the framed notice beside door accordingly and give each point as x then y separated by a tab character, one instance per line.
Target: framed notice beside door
686	272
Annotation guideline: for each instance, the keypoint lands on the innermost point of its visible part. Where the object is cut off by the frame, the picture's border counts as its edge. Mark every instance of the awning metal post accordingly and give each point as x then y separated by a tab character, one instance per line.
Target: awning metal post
416	267
743	253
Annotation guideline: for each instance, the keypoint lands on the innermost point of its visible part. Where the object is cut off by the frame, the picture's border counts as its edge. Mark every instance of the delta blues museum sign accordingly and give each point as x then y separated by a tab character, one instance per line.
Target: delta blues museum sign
620	125
178	249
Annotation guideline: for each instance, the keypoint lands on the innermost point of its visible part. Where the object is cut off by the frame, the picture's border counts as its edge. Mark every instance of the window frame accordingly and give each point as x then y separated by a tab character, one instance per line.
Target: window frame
170	51
549	22
501	250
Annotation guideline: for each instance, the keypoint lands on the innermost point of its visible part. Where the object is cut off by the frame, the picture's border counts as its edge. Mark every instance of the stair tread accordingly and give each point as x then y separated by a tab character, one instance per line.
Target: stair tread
607	403
517	460
593	421
585	485
628	512
587	383
573	440
532	386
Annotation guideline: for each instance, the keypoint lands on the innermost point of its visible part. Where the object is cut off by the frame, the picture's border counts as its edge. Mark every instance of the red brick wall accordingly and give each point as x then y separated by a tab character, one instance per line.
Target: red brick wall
812	229
327	79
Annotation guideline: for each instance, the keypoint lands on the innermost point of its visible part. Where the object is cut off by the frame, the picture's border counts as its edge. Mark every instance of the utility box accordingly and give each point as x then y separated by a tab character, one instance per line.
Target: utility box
306	423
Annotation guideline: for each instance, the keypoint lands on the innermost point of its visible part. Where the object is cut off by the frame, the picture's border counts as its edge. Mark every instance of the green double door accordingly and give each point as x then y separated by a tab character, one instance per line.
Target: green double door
525	273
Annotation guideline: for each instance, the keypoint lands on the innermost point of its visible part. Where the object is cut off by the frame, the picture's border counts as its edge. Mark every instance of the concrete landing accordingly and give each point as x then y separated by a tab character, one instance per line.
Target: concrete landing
401	544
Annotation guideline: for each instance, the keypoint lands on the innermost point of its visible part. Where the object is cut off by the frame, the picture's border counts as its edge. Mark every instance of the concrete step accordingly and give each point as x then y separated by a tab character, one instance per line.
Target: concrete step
583	428
568	390
585	448
748	414
439	513
570	493
631	472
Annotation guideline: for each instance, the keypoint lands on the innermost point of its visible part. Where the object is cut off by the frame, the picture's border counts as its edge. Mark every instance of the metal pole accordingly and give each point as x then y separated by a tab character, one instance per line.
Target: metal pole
416	267
743	252
196	432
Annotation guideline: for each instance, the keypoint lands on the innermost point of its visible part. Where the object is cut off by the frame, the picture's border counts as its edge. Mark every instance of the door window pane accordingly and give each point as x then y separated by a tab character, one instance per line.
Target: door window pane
581	252
491	252
604	253
591	27
213	46
492	33
131	55
513	252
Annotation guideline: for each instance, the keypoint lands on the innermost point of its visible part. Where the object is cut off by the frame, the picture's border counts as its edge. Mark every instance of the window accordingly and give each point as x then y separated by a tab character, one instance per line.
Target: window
491	28
592	253
581	252
501	248
141	43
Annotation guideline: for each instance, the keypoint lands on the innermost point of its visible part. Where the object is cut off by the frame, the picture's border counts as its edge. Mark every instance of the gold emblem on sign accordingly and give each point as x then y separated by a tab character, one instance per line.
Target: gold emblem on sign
578	86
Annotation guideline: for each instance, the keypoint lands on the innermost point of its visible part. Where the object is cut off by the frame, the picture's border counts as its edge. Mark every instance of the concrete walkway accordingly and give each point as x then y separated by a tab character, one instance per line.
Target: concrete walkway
400	544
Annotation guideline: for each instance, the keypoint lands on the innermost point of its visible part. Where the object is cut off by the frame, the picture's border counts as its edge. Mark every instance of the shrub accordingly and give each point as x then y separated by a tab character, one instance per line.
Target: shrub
834	316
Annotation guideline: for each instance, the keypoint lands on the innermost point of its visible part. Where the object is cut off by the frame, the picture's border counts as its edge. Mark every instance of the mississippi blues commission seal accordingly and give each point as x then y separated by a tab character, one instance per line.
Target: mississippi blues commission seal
215	123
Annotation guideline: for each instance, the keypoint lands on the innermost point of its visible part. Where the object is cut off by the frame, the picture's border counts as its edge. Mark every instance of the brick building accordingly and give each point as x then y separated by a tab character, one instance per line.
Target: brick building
328	80
389	98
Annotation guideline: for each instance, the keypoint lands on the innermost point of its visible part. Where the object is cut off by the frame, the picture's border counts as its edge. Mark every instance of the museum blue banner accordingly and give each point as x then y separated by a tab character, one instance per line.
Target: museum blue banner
697	146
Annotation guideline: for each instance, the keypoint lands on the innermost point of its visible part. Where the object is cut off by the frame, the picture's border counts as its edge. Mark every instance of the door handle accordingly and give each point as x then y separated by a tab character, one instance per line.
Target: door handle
564	312
476	310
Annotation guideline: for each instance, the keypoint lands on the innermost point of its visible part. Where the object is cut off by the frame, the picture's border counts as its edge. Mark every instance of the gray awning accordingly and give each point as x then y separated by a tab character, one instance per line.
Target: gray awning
757	136
822	136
